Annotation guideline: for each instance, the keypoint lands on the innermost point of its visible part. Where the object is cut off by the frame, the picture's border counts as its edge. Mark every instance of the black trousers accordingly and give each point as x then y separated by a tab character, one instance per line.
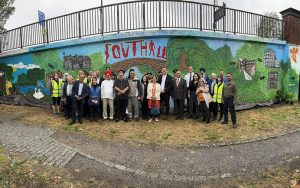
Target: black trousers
121	105
145	109
94	111
179	107
216	107
165	98
193	105
77	106
204	111
68	106
228	103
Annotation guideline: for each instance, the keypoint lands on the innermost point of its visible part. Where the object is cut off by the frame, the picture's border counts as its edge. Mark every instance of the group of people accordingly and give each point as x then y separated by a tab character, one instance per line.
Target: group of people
118	98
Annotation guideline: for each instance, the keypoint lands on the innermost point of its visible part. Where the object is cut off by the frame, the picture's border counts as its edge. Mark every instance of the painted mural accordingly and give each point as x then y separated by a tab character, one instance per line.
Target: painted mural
260	70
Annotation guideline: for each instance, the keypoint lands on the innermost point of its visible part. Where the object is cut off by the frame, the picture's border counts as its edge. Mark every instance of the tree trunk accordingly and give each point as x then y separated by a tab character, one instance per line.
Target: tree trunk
182	63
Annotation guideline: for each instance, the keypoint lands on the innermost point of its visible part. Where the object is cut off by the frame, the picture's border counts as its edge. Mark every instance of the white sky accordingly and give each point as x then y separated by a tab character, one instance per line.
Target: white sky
26	10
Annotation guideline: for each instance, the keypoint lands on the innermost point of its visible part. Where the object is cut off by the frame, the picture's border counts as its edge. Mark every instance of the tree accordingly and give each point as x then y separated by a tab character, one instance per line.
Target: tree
270	26
6	10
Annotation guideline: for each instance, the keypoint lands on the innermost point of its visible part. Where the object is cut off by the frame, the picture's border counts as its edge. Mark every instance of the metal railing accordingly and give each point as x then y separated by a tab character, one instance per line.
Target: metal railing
140	15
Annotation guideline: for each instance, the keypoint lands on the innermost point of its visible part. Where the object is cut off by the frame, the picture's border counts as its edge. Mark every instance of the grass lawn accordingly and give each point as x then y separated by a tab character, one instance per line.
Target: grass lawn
17	171
251	124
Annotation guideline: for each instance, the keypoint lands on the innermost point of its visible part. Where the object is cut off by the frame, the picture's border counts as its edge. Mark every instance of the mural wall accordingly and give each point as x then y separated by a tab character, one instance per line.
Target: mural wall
259	69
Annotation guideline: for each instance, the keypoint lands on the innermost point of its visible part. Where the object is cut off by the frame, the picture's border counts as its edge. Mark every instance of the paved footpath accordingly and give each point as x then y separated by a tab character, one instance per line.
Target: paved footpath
195	164
35	142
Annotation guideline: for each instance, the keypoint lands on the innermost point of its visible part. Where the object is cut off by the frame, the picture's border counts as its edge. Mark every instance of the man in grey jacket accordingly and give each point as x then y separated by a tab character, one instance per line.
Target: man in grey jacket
135	93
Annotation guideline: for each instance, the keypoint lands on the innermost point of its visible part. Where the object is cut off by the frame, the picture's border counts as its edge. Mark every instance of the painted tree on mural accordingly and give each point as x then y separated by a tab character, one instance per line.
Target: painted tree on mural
31	77
184	52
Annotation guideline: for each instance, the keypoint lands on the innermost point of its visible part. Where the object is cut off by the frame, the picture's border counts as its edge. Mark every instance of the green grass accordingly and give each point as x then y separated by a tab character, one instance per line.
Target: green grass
71	128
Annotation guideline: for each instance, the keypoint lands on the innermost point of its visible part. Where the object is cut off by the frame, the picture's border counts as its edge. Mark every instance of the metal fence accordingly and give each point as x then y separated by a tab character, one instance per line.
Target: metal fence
141	15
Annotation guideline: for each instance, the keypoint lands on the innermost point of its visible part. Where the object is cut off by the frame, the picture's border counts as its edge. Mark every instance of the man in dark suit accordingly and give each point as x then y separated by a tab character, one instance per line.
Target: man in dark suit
80	91
179	92
165	81
67	96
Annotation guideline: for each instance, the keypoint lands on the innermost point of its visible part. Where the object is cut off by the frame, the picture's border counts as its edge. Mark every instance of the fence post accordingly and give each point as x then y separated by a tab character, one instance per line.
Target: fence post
144	15
21	43
47	33
1	37
234	22
159	14
102	19
79	25
118	19
201	17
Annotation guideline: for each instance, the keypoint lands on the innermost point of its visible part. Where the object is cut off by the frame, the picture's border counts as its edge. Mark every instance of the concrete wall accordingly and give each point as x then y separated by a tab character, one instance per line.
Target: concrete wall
259	66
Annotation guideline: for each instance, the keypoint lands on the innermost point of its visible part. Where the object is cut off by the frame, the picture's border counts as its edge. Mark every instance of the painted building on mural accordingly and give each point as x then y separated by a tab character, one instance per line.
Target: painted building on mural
259	66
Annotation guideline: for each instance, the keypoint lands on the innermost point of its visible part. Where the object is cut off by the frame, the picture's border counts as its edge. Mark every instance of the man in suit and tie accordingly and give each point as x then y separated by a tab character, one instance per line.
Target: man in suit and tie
165	81
179	93
67	97
80	91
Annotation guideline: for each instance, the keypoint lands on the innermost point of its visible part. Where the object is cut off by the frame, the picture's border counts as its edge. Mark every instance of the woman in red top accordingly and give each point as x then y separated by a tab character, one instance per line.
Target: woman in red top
153	96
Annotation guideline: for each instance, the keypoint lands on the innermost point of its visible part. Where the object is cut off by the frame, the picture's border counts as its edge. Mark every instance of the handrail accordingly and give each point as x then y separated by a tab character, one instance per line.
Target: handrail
137	15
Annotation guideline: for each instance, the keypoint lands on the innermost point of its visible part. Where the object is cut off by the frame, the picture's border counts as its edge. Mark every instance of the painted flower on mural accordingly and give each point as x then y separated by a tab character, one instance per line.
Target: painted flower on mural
294	52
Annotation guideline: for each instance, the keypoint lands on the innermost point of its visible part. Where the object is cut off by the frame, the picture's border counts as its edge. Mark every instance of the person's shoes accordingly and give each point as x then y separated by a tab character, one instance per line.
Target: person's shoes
111	118
156	119
72	122
104	119
117	120
58	114
234	125
207	122
129	119
150	120
125	119
80	122
96	120
224	122
137	119
220	119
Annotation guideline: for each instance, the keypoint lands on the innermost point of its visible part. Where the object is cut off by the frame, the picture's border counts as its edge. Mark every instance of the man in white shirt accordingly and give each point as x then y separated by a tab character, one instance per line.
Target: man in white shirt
189	76
107	95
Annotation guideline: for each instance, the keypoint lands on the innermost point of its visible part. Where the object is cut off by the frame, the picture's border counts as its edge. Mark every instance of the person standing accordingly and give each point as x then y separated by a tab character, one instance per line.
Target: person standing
229	96
217	98
204	99
211	83
165	81
223	77
192	96
135	93
179	92
107	95
67	95
56	92
80	91
189	76
121	88
94	100
144	100
203	75
153	96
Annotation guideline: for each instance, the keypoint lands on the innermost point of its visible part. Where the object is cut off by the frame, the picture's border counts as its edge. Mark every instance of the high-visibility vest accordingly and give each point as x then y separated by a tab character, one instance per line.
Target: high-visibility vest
57	88
218	93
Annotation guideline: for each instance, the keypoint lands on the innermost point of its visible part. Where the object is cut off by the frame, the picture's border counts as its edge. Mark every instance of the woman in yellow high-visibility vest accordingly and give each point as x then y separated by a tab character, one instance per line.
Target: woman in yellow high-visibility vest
217	98
56	92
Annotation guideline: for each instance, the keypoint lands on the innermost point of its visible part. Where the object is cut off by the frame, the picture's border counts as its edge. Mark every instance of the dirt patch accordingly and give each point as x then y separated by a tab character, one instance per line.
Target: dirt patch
251	124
